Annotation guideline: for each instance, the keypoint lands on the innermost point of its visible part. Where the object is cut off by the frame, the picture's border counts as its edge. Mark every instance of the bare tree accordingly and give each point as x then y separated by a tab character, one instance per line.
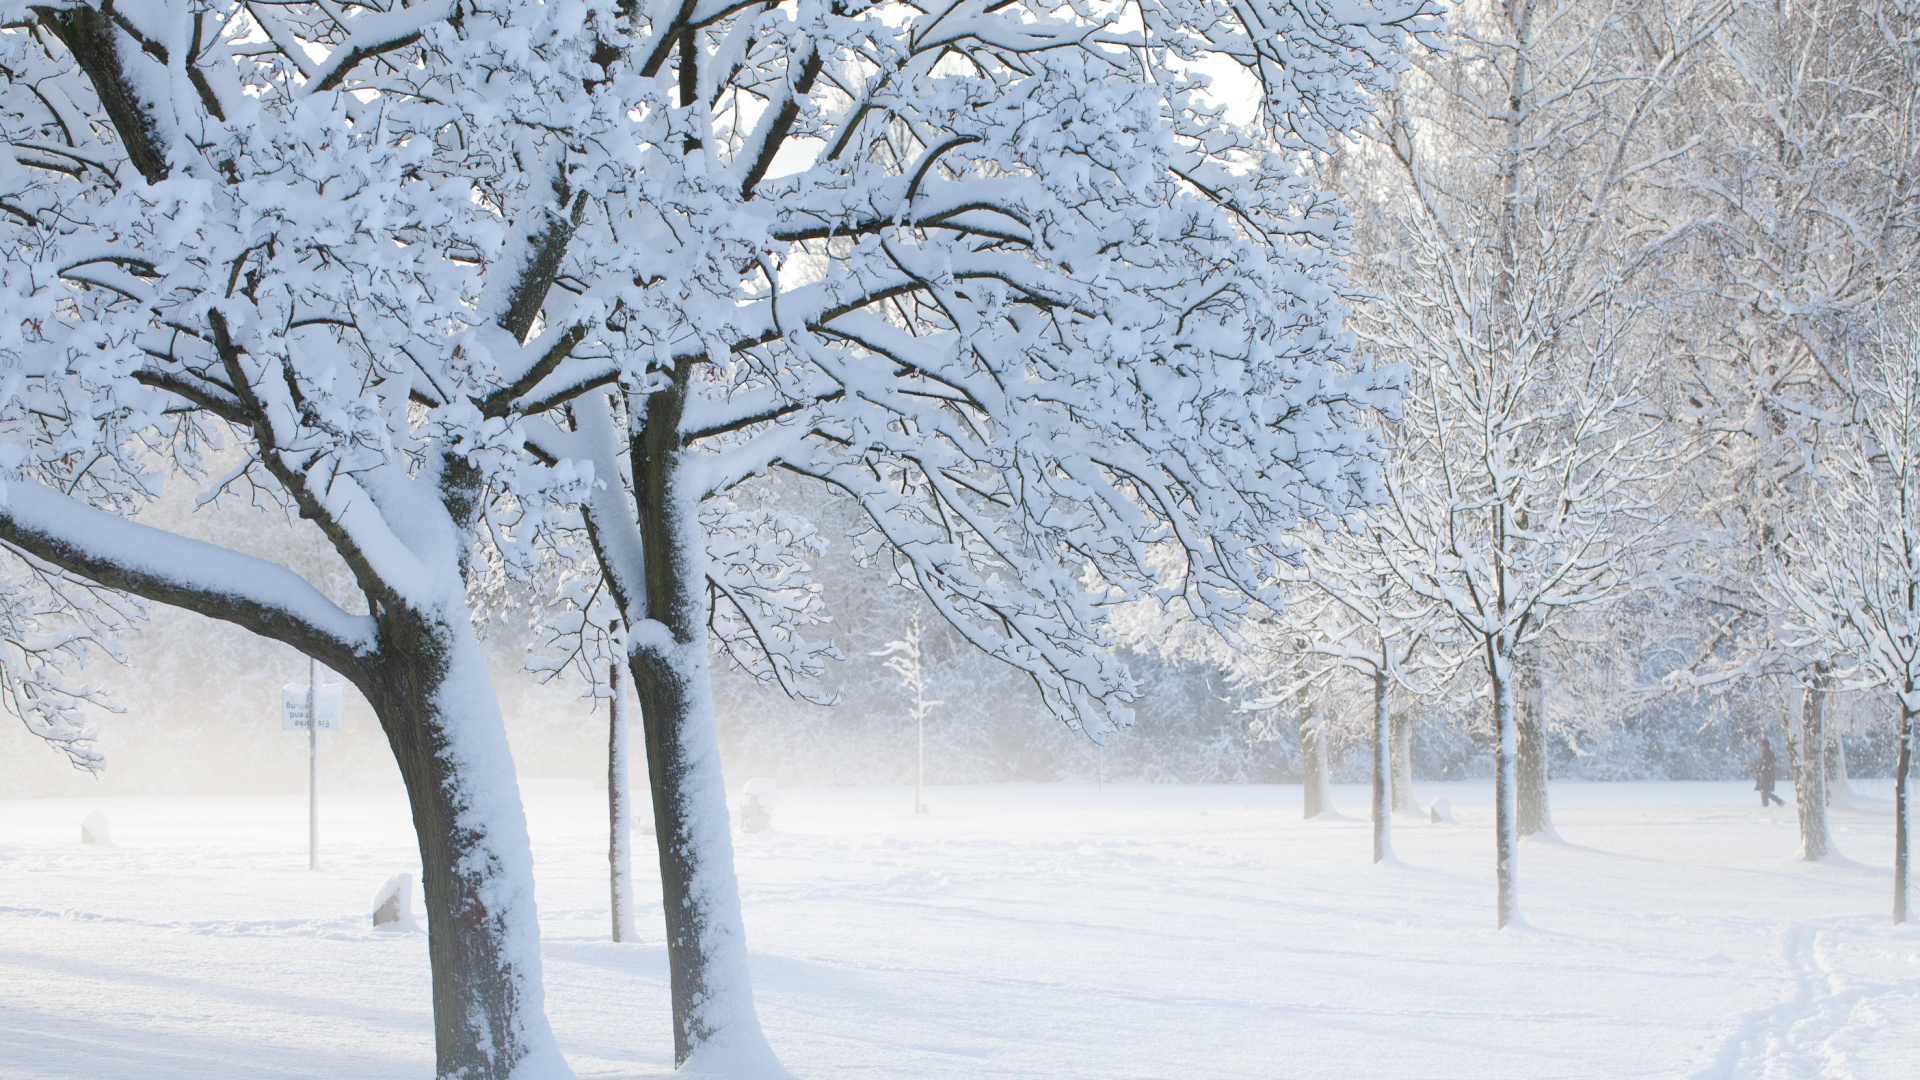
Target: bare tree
1511	280
1808	149
1852	579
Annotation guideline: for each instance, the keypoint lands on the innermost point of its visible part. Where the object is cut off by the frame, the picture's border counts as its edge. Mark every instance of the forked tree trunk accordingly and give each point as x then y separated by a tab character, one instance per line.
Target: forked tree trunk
1312	754
433	696
1903	766
1403	800
1382	771
714	1024
1809	767
1535	814
619	815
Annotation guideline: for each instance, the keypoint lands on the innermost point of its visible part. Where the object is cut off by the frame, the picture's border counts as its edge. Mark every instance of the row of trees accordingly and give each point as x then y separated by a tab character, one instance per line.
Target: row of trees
1648	269
498	290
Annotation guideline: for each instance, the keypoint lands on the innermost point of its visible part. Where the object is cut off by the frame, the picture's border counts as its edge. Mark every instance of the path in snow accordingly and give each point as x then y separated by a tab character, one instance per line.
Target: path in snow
1044	931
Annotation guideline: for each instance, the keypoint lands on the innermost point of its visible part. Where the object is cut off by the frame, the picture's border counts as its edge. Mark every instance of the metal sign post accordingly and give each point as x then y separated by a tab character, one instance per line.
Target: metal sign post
312	708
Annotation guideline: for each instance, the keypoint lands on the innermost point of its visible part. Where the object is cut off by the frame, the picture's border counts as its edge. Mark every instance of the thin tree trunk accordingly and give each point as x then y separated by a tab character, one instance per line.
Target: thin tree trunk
432	694
1535	815
1902	768
1403	800
1382	771
1311	774
1836	761
1505	782
619	816
713	1013
1810	773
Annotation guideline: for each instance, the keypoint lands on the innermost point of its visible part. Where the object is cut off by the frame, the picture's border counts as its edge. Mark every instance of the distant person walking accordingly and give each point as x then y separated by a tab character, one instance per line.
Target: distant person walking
1764	782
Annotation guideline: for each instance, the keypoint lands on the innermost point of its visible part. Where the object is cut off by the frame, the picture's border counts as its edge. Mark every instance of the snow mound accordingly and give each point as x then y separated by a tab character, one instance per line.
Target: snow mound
1440	811
754	813
393	904
93	830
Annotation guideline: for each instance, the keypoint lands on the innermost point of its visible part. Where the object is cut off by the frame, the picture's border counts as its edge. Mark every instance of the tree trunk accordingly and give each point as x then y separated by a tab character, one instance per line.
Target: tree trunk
619	817
714	1024
1382	771
1902	767
1535	815
1505	782
1312	754
1809	767
432	693
1836	760
1403	800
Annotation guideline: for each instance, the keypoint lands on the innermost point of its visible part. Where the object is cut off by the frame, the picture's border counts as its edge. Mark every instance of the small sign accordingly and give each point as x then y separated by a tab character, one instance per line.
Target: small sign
293	707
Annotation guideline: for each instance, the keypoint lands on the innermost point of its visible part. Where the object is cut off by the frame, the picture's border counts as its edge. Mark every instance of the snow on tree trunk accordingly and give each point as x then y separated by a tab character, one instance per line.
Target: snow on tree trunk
619	815
1313	774
1505	784
1530	725
1809	768
1403	800
432	694
715	1027
1838	786
1382	769
1902	769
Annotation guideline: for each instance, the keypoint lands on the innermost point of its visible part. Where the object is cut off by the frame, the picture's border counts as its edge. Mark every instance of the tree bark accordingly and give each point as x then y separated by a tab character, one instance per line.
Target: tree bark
1535	815
713	1013
422	672
1382	770
1505	782
1312	755
1403	800
1902	768
1809	767
448	737
619	817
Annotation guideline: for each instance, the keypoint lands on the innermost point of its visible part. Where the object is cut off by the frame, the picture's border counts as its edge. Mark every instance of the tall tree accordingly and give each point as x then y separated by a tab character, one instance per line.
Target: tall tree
1852	579
1509	279
1004	279
1809	156
327	233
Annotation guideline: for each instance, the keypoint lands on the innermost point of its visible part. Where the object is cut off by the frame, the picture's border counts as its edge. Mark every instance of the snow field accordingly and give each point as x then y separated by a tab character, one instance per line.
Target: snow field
1046	931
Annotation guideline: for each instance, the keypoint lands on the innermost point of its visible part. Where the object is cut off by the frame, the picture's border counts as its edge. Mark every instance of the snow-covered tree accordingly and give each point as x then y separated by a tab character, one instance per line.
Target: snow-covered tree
1809	153
324	234
1852	579
1368	622
1007	278
903	658
1512	279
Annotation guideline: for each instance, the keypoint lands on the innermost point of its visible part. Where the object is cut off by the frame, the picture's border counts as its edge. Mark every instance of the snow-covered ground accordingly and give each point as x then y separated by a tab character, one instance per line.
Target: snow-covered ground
1048	931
